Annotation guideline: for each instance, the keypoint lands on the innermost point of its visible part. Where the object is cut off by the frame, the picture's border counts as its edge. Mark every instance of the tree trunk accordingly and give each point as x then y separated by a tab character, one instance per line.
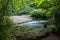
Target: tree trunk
57	22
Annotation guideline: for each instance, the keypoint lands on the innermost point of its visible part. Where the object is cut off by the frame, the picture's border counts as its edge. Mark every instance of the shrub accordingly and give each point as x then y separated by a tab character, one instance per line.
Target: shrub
37	16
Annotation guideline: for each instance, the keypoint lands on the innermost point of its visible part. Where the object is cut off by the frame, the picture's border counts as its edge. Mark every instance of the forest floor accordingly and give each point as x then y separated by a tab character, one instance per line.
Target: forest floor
51	37
35	36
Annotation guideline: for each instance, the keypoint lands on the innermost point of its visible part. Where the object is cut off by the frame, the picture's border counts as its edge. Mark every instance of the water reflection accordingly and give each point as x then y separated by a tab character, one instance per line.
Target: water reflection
33	24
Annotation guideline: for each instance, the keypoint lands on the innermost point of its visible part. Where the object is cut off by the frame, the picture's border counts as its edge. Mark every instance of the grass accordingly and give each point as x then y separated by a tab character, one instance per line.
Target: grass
35	29
18	31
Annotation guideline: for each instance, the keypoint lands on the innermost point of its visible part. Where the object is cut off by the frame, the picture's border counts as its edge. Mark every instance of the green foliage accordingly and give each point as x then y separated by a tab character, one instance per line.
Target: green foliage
5	28
6	24
47	7
18	7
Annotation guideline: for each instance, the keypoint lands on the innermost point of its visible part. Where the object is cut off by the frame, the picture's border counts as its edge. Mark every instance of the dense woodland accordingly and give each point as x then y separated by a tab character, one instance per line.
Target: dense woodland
50	9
